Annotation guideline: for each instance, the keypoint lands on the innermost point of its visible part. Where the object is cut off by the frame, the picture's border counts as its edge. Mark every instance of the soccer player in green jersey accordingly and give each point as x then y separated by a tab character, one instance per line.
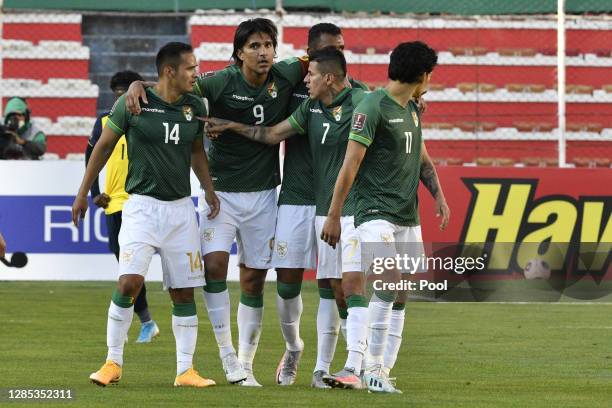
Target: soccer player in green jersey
324	119
387	149
296	240
254	91
163	143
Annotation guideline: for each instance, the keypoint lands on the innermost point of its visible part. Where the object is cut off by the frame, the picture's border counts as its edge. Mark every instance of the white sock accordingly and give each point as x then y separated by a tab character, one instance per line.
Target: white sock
117	326
328	322
343	328
379	313
394	339
289	313
185	329
218	307
249	330
356	333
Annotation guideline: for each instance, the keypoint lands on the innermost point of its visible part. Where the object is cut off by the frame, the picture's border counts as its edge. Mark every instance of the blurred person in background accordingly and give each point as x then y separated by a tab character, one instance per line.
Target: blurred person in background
114	196
2	246
20	139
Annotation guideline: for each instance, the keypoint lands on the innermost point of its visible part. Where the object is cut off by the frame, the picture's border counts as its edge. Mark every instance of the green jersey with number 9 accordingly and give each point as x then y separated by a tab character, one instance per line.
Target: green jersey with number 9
159	144
388	178
236	163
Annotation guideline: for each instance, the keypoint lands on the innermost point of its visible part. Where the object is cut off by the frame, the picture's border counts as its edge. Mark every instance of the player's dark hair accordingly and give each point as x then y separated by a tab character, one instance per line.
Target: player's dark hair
123	79
249	27
317	30
330	60
410	60
170	54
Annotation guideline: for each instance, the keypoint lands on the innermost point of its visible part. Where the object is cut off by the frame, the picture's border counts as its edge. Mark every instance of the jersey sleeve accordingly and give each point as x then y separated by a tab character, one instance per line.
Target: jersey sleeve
210	85
96	132
366	117
119	117
299	118
294	69
201	111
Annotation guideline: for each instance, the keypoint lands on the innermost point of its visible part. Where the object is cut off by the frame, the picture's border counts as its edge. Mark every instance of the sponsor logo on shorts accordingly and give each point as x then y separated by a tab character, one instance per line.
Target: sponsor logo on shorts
359	120
209	234
281	249
126	255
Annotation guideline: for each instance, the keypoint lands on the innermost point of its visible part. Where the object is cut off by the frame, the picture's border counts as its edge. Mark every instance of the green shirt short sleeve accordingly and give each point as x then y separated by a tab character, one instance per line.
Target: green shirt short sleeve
365	121
118	118
210	85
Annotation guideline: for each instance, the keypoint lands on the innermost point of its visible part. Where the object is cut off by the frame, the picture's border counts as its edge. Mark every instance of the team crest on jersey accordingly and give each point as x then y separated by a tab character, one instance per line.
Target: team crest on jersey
272	90
337	112
415	117
359	120
281	249
188	113
209	234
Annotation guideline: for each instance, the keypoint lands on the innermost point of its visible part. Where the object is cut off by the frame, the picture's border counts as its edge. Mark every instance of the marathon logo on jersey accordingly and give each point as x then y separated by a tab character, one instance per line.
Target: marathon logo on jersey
415	117
188	113
154	110
359	120
337	112
272	90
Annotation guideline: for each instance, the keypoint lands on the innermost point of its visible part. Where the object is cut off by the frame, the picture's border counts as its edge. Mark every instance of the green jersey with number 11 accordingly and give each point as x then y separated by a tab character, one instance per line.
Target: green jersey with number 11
388	178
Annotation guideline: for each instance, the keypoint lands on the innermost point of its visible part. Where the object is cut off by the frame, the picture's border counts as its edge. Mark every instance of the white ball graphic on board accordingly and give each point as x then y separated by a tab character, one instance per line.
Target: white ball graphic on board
537	269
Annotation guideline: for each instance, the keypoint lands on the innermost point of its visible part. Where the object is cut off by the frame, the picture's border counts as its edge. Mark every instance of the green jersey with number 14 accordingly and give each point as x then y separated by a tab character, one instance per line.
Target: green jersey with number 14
236	163
388	178
159	144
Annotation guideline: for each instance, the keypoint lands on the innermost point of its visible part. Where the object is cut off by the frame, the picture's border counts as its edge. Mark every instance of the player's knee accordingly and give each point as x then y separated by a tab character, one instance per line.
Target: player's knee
289	275
252	283
184	295
215	267
130	285
324	283
353	284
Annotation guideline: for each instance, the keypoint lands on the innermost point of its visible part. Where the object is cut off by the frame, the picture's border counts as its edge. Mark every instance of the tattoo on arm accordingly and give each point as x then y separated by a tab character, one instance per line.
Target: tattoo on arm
429	178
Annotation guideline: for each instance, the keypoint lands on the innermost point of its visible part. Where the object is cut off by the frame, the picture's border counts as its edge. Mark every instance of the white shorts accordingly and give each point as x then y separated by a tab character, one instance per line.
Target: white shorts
250	218
295	241
169	228
382	239
347	255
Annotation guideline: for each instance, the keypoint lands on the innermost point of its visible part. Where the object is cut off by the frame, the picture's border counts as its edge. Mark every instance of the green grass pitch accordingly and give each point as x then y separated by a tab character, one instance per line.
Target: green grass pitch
53	335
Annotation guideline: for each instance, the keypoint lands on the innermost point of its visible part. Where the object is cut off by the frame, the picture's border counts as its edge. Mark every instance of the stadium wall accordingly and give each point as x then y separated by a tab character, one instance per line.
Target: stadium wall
474	7
514	204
